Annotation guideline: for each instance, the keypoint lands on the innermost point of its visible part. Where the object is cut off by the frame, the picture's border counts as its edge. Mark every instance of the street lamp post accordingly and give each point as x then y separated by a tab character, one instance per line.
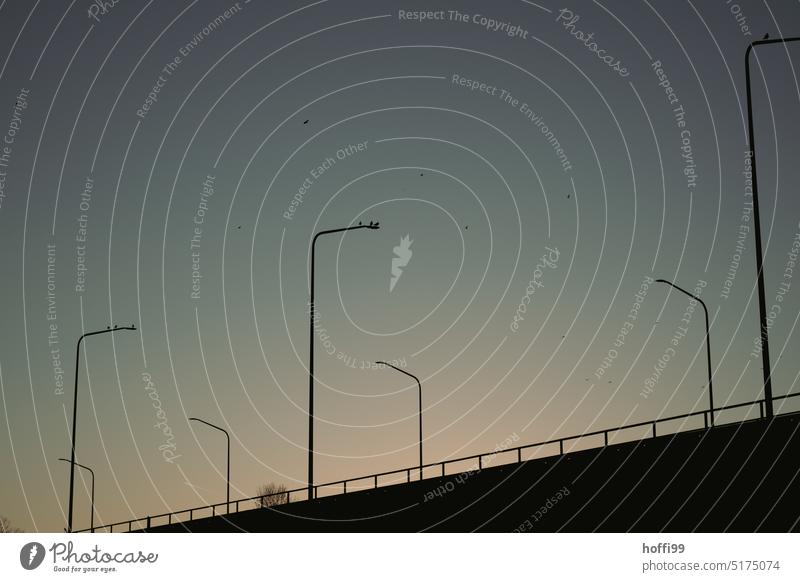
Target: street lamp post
91	519
228	477
762	306
75	412
708	346
410	375
311	314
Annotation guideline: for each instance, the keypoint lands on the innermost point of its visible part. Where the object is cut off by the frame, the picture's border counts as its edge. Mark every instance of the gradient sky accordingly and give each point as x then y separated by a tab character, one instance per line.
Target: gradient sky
259	102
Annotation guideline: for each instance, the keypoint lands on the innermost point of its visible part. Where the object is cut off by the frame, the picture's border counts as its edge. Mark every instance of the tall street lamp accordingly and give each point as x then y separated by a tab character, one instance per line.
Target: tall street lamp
762	306
75	412
311	314
228	477
410	375
708	346
91	520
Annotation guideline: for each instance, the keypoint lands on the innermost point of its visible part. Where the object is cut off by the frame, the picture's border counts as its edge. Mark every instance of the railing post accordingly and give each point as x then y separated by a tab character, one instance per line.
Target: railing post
316	492
519	455
376	481
654	429
760	409
191	511
213	510
561	446
148	522
169	519
442	468
408	475
480	463
345	486
237	506
705	418
129	526
605	438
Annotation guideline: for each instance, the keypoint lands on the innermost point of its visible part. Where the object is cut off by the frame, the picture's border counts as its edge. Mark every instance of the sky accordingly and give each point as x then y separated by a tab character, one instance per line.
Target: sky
166	165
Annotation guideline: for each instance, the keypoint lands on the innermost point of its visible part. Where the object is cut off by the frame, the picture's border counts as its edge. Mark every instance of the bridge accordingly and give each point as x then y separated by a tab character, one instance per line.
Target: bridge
742	475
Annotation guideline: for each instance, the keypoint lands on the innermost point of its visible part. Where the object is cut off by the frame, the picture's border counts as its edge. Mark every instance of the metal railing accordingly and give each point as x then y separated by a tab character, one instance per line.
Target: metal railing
301	494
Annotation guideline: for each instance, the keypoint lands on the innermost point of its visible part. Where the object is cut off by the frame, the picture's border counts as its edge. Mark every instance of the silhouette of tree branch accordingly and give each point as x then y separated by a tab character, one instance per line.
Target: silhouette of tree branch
6	527
272	494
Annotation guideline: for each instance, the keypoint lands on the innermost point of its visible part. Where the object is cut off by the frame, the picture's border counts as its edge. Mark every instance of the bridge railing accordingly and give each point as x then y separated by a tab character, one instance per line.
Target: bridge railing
376	480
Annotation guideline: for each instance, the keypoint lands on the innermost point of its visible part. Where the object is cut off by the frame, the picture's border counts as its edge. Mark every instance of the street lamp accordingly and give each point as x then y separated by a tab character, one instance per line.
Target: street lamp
410	375
311	313
75	411
762	306
91	520
228	478
708	346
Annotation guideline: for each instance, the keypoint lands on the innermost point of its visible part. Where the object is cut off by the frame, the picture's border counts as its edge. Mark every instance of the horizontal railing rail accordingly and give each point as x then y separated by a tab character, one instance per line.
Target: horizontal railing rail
301	493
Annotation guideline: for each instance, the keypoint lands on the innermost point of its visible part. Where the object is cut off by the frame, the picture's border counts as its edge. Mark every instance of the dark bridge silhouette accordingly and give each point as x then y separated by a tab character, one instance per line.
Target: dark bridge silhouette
739	476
